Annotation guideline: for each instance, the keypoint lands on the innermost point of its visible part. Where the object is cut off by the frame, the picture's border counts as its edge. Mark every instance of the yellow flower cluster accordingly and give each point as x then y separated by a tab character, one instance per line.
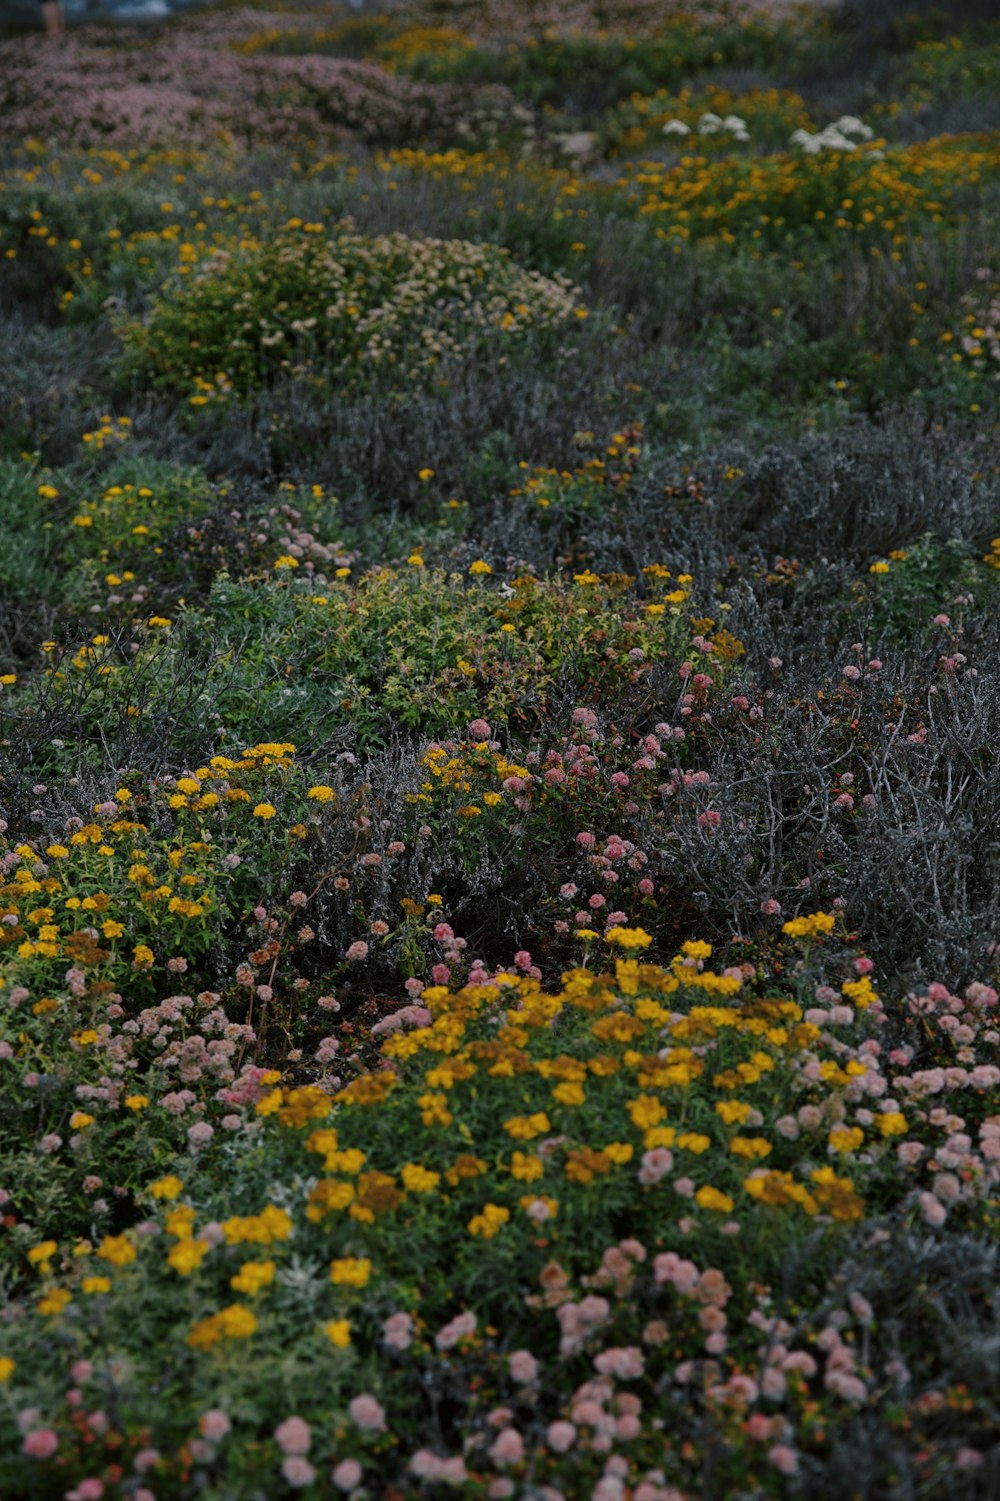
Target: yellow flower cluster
818	925
234	1322
272	1224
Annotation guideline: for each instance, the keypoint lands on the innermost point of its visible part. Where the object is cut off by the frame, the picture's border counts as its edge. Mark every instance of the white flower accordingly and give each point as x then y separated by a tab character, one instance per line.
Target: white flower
850	125
709	124
832	140
676	128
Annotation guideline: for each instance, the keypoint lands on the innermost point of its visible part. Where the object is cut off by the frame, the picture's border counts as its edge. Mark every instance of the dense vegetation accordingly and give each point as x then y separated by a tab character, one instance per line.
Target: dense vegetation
499	698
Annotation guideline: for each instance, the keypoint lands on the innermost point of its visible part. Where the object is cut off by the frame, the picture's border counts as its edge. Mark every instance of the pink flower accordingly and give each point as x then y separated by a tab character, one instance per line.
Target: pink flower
90	1489
523	1365
397	1332
298	1472
625	1363
669	1267
459	1328
347	1475
293	1436
479	729
358	950
507	1448
367	1413
560	1437
655	1165
784	1459
215	1424
932	1210
770	907
41	1443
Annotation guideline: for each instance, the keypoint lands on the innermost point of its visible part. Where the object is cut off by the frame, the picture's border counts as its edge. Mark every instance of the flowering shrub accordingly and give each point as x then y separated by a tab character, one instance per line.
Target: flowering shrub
719	116
528	1130
349	308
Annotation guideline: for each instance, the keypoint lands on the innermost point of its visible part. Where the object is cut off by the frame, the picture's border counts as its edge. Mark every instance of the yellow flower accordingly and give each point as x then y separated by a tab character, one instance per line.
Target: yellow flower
79	1120
629	938
417	1179
569	1094
892	1123
645	1111
526	1127
54	1302
415	560
253	1276
264	811
259	1229
846	1139
7	1368
434	1109
479	568
338	1332
350	1271
142	955
321	794
136	1101
732	1112
187	1256
117	1249
750	1146
43	1253
809	927
489	1222
526	1168
710	1198
234	1322
425	474
166	1188
694	1141
95	1285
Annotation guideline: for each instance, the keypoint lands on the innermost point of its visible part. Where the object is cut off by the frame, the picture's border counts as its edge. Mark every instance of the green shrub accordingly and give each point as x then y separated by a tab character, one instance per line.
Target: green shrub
351	309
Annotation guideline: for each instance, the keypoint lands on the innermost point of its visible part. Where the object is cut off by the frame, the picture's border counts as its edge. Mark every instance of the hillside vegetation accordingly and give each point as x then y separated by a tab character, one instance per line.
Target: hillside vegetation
499	707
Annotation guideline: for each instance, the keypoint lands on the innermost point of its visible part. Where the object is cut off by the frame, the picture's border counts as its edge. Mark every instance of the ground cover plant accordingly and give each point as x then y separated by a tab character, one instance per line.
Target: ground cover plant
499	896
